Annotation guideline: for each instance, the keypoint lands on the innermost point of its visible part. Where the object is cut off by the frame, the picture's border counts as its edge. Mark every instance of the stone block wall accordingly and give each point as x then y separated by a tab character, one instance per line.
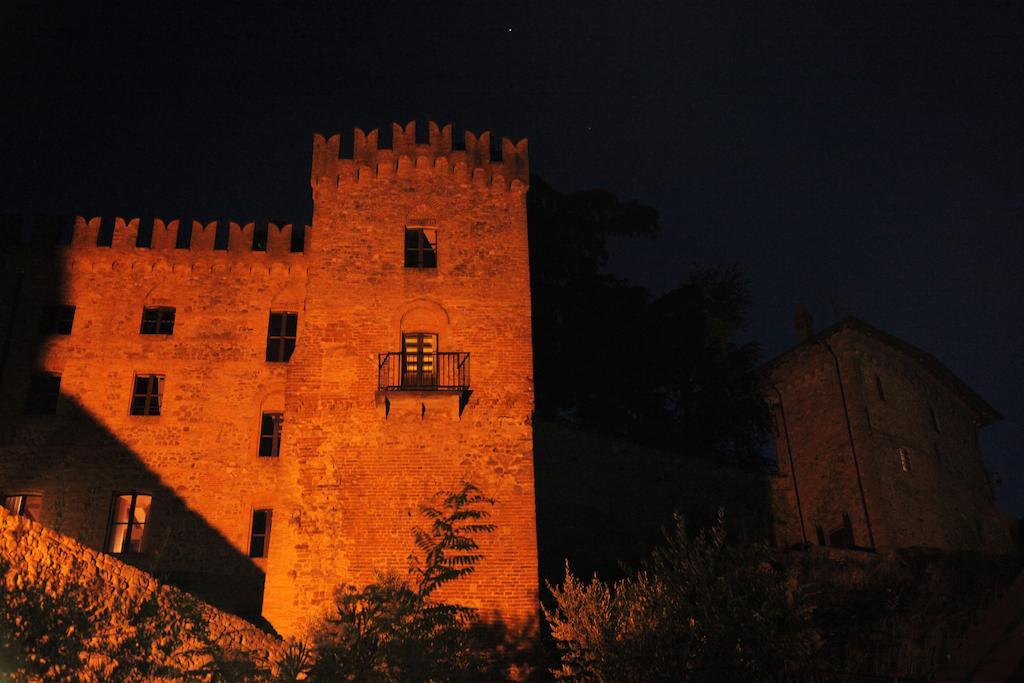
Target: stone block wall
39	557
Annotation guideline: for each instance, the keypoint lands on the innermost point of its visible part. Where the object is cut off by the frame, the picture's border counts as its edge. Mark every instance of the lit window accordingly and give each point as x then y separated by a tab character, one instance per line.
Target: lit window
259	539
158	320
129	514
270	435
281	336
419	356
43	392
904	456
420	248
27	505
57	320
147	394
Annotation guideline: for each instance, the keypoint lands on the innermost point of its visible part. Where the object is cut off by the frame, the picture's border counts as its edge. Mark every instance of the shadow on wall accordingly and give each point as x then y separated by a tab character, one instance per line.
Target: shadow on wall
603	502
77	464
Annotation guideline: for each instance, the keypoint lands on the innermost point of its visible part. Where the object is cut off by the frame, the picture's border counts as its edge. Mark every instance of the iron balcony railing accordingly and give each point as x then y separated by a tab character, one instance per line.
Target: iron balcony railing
448	371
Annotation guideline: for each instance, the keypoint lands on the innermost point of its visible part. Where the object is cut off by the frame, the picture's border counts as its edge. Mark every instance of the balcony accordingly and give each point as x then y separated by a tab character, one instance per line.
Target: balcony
448	371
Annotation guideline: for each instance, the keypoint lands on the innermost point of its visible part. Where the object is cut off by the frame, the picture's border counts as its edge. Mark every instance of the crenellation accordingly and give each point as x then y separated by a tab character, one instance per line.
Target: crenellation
372	162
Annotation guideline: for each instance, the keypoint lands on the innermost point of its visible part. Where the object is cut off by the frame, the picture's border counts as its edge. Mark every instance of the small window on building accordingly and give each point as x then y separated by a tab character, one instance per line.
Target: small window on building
57	319
878	388
281	336
934	418
129	514
904	456
420	248
259	539
147	393
27	505
270	435
43	391
157	320
821	534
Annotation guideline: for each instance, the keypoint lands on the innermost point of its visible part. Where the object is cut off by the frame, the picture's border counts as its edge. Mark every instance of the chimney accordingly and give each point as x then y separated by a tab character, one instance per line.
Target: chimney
804	323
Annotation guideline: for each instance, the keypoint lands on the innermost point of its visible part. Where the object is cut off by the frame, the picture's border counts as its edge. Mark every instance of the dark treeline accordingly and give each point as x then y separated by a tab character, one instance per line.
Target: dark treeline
664	371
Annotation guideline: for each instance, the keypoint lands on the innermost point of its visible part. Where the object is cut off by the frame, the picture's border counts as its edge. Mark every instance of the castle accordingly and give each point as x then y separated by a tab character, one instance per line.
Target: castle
877	446
256	411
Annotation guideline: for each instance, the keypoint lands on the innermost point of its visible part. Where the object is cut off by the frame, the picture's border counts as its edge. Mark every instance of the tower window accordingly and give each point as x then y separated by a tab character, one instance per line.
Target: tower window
147	394
259	538
270	435
420	248
878	388
129	513
57	319
43	391
158	320
904	456
27	505
281	336
419	359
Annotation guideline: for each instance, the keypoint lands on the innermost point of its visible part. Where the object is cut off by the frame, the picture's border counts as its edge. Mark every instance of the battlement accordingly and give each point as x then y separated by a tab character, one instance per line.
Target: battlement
472	164
154	235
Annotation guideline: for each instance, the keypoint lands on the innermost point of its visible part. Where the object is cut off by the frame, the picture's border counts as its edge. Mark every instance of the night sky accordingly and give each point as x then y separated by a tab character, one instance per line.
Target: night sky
863	161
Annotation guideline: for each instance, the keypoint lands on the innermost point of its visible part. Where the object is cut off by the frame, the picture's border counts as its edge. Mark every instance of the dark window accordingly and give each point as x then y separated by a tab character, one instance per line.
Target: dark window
281	336
146	394
420	248
157	320
878	388
270	435
105	236
27	505
184	240
57	319
129	513
419	359
222	236
934	418
43	391
259	539
843	536
821	535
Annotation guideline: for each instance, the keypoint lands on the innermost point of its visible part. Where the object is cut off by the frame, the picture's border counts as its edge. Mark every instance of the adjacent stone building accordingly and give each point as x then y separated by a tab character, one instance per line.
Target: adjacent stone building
877	446
256	411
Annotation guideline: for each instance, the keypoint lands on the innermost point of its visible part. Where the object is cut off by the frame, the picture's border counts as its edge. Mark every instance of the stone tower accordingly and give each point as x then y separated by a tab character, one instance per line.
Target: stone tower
256	412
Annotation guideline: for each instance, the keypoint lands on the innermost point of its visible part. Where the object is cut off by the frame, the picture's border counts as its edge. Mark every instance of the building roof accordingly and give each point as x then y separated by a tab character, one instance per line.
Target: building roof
985	413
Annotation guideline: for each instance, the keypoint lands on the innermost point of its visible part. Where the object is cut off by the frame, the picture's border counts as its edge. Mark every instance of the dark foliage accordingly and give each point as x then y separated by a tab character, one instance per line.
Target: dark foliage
608	356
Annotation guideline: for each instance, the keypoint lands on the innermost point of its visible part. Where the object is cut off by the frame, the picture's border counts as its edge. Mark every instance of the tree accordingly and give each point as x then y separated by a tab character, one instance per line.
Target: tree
394	629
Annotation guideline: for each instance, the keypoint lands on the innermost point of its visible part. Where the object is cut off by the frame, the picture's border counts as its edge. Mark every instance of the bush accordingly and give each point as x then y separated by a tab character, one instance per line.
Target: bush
697	610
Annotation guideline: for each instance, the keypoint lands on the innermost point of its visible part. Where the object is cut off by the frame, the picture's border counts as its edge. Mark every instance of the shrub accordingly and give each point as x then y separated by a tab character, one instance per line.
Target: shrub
697	610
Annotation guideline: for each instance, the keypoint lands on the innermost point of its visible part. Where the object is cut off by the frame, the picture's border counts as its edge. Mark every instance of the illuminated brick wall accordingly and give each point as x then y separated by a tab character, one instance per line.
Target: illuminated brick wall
354	463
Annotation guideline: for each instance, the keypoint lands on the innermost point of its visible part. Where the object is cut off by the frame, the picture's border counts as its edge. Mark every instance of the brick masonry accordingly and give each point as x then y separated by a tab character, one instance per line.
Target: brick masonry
355	463
838	439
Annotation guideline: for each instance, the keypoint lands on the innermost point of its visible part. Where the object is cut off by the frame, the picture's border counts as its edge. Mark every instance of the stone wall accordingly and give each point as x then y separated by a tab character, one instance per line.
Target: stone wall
37	556
850	443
